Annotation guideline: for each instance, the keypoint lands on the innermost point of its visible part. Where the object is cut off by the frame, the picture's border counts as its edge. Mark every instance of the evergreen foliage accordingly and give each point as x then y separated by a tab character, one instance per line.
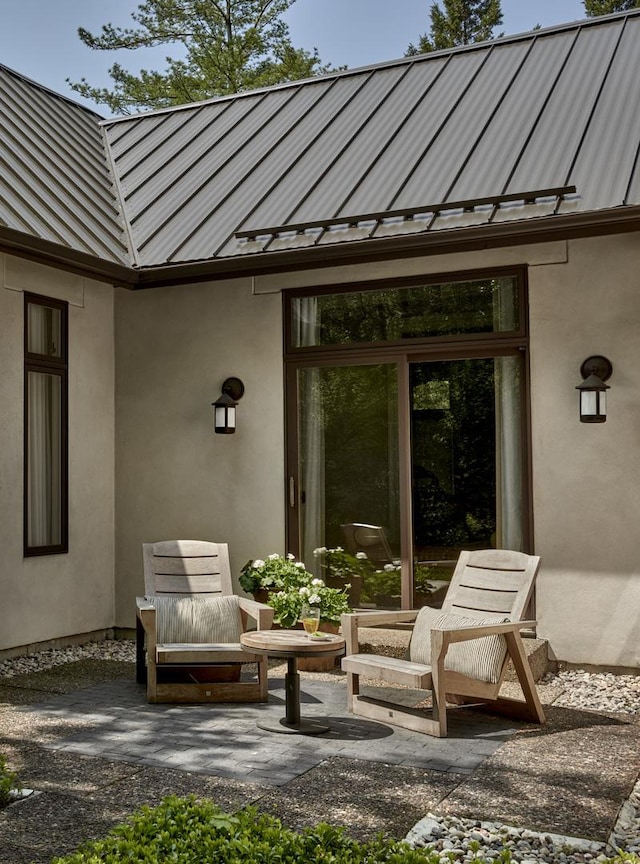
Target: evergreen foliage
223	47
459	22
594	8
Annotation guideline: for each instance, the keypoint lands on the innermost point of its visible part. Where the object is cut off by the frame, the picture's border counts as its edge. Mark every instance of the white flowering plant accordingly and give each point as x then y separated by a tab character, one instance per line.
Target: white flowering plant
275	572
290	587
288	603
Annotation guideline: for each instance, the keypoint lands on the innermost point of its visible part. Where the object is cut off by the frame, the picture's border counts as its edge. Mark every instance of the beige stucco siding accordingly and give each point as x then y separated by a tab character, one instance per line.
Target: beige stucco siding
586	478
176	479
56	596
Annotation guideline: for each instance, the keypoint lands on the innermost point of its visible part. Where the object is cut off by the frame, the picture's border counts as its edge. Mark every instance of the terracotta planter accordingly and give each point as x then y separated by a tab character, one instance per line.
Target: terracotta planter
261	595
320	664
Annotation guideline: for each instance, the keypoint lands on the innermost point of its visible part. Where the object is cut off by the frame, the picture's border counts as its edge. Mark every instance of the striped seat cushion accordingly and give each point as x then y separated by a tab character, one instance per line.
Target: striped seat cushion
197	620
481	659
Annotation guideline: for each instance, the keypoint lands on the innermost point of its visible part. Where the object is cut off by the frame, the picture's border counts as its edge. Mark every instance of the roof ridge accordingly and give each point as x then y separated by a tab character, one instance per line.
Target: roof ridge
49	91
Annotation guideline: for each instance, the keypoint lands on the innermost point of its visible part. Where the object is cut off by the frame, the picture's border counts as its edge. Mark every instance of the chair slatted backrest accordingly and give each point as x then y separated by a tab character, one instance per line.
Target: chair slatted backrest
369	539
186	567
497	583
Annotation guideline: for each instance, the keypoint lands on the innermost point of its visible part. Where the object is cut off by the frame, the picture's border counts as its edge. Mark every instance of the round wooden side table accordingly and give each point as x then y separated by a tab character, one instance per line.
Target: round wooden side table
292	644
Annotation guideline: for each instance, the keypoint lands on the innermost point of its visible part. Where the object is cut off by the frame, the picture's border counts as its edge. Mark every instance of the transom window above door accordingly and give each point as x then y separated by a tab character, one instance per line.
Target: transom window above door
460	308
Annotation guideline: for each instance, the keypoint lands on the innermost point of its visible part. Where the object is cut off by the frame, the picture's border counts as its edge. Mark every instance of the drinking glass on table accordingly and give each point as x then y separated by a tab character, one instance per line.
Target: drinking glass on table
310	617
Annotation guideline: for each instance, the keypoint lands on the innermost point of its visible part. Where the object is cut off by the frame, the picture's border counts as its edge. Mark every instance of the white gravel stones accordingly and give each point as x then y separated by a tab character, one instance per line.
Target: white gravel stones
111	649
464	840
591	691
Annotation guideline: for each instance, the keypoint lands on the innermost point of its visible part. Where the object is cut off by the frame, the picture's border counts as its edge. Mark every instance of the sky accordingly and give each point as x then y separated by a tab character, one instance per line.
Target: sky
38	38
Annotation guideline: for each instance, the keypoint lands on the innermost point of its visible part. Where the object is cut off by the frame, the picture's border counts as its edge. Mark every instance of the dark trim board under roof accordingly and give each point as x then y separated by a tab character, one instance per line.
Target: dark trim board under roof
184	193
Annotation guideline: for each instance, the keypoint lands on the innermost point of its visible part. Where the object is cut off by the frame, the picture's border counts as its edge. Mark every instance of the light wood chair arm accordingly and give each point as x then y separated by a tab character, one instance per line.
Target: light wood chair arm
143	603
477	631
261	613
351	621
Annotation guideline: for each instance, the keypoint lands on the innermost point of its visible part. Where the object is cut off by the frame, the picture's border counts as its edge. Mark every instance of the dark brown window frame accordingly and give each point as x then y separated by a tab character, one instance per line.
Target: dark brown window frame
430	342
52	366
404	351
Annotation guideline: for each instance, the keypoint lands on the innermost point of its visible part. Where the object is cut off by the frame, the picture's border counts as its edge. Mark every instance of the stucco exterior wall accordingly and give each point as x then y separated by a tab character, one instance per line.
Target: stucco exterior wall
586	477
54	596
176	479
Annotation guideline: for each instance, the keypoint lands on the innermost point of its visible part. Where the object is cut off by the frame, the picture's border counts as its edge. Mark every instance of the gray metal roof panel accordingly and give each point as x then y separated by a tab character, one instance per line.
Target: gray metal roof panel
608	149
493	157
324	158
382	177
553	108
521	113
60	187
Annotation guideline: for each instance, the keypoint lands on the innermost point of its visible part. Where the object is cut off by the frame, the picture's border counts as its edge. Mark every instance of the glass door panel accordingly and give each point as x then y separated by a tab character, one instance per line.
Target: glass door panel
348	470
467	465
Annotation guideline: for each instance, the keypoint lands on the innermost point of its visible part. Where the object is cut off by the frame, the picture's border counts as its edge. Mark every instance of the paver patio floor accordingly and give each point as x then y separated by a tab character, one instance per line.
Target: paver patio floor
91	746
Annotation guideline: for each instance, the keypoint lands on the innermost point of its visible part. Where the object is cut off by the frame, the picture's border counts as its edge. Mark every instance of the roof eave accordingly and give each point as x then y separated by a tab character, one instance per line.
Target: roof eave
560	227
544	229
54	255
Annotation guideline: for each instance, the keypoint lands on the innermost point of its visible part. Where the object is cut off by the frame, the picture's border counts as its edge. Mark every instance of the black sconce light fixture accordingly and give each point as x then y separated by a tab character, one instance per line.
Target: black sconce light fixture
593	391
224	408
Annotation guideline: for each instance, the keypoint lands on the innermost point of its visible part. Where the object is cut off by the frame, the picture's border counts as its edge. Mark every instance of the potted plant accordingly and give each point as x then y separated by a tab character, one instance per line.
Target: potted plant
275	573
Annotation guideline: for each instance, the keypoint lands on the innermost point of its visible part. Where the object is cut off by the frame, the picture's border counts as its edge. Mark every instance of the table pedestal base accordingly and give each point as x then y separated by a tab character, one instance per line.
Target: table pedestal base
302	727
292	723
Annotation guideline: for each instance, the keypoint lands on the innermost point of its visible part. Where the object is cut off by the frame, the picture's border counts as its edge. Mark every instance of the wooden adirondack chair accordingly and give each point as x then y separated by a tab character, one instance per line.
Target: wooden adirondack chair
192	622
459	652
180	568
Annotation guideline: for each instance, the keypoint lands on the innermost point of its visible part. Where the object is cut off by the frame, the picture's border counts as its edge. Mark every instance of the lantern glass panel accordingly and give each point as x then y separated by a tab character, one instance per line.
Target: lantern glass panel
588	403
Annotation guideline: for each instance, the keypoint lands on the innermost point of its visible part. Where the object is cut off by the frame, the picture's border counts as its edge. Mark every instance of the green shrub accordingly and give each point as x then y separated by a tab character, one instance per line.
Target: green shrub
8	781
187	831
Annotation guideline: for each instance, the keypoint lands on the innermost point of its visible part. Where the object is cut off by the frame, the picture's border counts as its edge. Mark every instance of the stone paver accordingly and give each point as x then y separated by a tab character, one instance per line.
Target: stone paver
113	720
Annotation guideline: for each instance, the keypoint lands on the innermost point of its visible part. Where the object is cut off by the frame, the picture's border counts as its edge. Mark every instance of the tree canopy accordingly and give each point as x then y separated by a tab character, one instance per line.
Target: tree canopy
593	8
220	47
460	22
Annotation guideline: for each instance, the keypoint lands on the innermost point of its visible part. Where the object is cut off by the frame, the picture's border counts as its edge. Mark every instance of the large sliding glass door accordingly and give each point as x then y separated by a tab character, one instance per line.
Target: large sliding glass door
348	472
466	464
406	449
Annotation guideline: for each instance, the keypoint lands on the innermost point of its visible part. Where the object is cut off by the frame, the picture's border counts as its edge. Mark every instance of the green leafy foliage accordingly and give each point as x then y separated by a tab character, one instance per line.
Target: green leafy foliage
460	22
220	47
8	781
190	831
273	573
290	587
594	8
186	831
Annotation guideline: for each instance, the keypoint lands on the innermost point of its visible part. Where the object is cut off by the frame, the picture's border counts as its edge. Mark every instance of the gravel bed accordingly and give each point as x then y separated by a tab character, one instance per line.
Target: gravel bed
111	649
461	840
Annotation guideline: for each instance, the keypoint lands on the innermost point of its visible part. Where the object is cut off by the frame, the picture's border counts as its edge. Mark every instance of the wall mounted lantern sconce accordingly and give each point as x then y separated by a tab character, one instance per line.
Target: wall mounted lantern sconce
224	408
593	391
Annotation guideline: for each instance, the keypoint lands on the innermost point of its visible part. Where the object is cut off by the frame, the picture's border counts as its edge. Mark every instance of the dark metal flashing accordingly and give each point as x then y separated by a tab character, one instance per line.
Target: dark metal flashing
616	220
544	230
53	255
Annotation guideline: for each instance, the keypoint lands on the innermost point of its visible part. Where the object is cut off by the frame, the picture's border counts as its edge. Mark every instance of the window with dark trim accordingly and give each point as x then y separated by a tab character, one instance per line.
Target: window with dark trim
45	426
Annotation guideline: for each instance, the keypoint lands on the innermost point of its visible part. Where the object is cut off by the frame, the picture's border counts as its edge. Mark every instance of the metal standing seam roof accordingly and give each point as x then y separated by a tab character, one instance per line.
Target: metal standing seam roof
521	131
55	181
